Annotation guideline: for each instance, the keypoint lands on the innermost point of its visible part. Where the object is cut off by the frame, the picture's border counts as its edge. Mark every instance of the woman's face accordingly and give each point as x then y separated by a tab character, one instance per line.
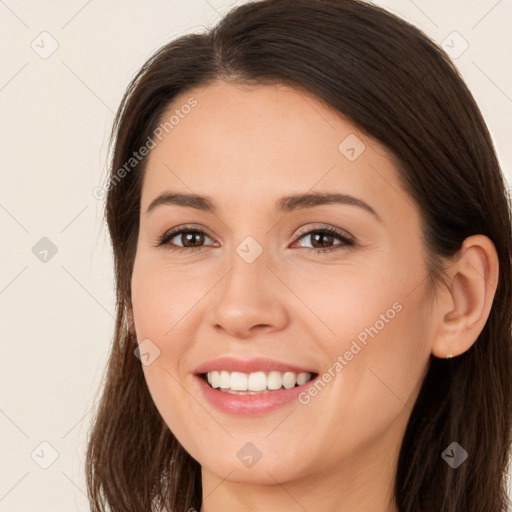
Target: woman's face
265	282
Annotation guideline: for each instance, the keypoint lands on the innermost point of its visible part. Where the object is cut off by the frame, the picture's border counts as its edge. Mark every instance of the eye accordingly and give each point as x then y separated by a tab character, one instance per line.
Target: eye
322	238
190	237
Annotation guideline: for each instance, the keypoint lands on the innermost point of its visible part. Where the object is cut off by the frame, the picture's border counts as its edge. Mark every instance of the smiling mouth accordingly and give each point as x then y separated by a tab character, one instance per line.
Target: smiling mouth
255	383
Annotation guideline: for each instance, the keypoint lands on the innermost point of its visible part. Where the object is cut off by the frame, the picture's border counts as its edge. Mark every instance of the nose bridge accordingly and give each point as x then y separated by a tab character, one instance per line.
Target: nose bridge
245	281
246	297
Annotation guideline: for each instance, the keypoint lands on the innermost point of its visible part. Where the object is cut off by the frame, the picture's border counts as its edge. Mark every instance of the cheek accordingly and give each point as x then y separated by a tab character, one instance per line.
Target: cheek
340	303
376	323
163	305
162	299
174	403
386	374
159	310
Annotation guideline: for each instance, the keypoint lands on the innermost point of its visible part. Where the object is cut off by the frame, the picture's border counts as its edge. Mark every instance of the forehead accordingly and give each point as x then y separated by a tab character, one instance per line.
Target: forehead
246	142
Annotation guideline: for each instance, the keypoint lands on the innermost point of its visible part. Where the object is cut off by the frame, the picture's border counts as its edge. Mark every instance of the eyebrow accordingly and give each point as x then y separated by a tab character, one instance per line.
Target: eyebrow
285	204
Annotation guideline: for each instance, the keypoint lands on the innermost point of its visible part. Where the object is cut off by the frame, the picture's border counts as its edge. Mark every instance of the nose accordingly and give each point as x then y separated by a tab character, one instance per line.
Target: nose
249	299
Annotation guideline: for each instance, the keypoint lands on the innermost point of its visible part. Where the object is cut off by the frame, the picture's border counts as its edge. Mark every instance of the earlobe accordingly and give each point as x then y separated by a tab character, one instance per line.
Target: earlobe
473	279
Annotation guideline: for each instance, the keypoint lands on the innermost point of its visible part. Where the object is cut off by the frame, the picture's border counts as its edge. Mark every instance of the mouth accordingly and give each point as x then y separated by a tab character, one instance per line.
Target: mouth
255	383
252	387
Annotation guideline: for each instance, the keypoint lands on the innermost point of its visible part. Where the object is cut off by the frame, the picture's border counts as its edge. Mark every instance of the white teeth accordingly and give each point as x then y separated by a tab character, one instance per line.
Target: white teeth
257	381
274	380
302	378
289	380
238	381
224	380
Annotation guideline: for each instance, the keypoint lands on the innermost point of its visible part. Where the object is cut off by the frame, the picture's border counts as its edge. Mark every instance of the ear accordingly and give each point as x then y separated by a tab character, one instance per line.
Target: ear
465	305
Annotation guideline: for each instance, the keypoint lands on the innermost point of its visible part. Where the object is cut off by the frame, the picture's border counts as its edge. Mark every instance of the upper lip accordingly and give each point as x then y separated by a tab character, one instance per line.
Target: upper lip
232	364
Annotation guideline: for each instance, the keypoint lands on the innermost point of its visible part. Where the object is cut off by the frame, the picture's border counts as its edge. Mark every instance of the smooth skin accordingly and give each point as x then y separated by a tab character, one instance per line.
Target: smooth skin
245	147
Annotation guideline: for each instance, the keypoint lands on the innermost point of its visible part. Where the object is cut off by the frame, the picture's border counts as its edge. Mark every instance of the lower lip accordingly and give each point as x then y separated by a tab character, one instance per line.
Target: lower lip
250	405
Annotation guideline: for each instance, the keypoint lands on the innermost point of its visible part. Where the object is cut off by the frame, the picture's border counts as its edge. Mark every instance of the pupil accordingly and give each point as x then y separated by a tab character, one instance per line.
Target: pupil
194	234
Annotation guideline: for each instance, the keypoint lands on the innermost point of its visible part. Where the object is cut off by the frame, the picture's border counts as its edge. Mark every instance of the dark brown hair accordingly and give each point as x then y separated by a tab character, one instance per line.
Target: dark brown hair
400	88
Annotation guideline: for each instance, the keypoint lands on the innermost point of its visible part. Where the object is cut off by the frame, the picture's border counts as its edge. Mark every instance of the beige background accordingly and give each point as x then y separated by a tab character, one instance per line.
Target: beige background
56	113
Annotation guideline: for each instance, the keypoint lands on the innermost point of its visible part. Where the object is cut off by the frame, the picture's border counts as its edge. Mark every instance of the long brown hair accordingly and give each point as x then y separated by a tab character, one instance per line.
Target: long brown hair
399	87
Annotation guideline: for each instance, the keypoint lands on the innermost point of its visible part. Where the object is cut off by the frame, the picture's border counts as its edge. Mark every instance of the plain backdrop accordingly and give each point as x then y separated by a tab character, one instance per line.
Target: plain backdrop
64	67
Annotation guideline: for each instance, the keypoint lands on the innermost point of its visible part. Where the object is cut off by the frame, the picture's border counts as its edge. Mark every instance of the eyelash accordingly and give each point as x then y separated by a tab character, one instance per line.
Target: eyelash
346	241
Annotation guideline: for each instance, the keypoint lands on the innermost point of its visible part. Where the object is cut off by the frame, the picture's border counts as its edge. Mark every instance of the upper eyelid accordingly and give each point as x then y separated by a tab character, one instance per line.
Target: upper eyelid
320	227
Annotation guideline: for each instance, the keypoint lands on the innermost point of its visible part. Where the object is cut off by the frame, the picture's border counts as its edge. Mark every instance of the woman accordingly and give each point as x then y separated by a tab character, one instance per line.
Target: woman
312	243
